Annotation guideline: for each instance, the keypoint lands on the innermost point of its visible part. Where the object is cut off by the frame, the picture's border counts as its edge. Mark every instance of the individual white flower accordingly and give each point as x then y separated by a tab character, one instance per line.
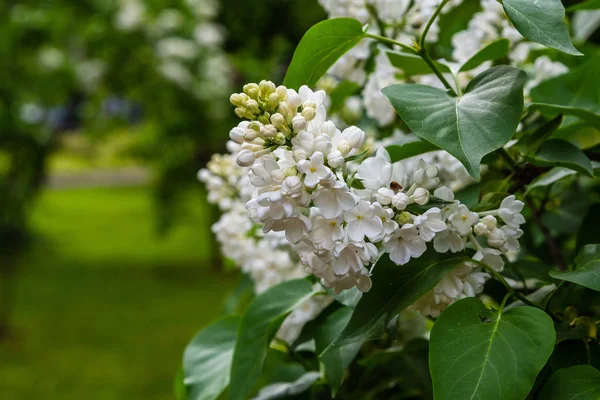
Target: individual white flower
292	186
426	175
430	223
348	256
335	158
313	169
326	232
463	219
512	236
354	136
331	201
362	222
386	215
404	244
376	172
448	240
444	193
311	99
510	211
490	257
486	225
496	237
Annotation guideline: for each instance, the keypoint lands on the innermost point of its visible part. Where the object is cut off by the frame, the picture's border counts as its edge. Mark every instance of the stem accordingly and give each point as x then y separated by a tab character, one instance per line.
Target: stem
437	12
547	303
436	71
391	41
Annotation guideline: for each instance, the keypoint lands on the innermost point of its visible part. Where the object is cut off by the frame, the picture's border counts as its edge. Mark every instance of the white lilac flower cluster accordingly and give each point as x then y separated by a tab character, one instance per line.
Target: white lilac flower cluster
266	258
341	215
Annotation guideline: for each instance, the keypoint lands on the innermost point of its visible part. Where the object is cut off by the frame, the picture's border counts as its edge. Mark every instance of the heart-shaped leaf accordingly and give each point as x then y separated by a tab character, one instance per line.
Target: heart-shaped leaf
207	359
581	382
493	51
542	22
402	151
469	126
559	153
257	327
471	358
320	48
395	287
587	268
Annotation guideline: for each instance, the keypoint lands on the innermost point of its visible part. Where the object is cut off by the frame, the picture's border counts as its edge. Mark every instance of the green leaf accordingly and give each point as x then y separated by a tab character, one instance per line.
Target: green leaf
402	151
581	382
587	268
257	328
579	88
207	359
493	51
530	142
412	64
288	390
471	358
470	126
543	23
555	109
588	5
320	48
395	287
559	153
549	178
336	360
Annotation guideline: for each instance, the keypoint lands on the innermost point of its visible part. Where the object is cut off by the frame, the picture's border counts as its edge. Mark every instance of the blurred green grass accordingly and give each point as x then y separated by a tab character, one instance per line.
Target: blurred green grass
104	308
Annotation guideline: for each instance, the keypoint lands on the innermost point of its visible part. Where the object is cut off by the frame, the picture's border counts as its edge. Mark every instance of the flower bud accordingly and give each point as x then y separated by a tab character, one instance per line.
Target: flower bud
480	229
309	113
292	186
490	222
278	175
421	196
250	135
237	99
299	123
279	138
252	106
277	120
245	158
354	136
268	131
328	128
385	195
265	118
284	109
420	176
344	147
444	193
335	158
400	200
309	104
497	238
274	100
251	89
282	92
237	135
266	88
293	99
403	218
242	112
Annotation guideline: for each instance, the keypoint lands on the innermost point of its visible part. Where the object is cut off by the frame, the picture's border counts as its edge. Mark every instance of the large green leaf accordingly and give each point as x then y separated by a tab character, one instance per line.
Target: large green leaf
257	328
320	48
471	358
207	359
337	360
559	153
581	382
591	118
395	287
530	142
587	268
541	22
412	64
470	126
549	178
579	88
588	5
493	51
401	151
